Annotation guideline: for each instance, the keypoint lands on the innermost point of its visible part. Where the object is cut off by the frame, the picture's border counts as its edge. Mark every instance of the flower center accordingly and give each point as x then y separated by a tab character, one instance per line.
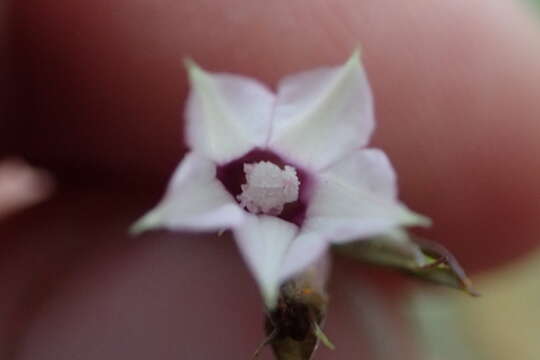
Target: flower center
268	187
247	188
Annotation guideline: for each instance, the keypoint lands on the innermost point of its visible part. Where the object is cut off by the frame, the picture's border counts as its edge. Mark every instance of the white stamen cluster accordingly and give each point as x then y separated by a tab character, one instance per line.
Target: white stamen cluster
268	188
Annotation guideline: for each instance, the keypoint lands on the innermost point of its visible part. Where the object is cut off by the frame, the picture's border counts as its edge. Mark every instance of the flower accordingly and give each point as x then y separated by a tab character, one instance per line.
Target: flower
286	172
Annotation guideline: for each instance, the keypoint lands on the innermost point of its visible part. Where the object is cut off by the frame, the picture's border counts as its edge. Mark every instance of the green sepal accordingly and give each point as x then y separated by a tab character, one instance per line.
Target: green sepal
418	257
317	331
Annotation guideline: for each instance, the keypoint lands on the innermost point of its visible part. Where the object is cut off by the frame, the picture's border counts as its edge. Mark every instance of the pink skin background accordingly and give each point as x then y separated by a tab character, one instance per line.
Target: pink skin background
96	92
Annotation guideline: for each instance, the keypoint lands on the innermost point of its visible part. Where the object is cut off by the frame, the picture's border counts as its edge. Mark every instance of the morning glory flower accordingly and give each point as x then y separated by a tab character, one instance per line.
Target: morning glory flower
287	172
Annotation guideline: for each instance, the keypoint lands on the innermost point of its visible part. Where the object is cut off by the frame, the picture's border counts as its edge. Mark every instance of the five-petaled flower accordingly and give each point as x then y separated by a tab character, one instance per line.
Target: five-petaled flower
286	172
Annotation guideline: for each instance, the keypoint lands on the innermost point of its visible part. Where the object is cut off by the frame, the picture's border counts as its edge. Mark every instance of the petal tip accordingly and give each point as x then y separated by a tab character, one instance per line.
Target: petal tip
193	69
355	58
270	294
416	219
190	64
147	222
270	299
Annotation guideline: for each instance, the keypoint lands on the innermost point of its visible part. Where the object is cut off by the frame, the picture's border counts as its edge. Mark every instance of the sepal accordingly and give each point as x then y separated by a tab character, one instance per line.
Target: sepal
415	256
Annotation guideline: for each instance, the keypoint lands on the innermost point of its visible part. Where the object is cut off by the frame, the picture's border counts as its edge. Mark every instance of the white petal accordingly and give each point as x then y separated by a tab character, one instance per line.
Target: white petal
263	242
195	200
304	252
355	199
367	168
226	115
322	114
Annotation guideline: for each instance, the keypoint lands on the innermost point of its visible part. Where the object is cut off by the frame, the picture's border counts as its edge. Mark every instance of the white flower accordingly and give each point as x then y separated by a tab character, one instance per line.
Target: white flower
287	172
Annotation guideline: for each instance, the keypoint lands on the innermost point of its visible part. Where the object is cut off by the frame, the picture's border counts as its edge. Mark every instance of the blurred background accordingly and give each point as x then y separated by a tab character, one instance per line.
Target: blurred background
91	129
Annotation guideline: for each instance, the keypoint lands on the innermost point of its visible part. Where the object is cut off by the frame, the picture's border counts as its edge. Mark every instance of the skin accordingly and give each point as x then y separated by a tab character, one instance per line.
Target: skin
99	93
